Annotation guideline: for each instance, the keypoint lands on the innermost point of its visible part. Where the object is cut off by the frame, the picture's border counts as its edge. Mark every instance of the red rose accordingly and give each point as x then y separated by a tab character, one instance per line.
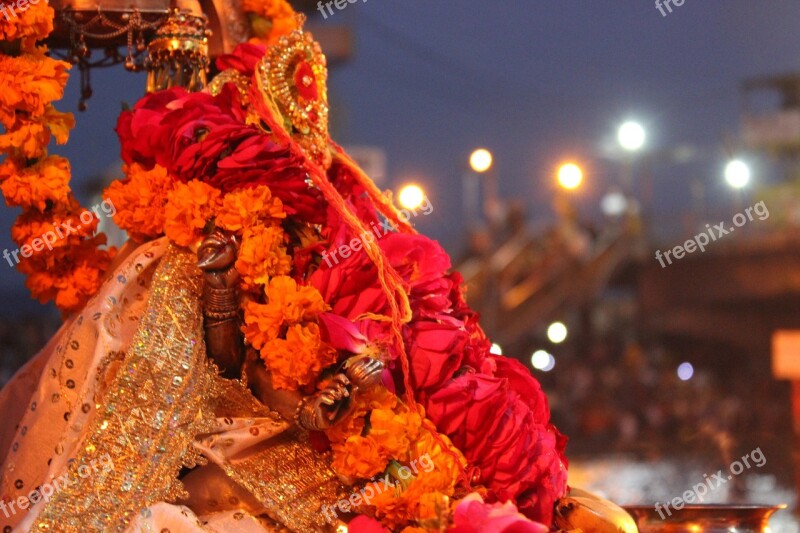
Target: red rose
205	137
142	134
525	385
244	58
516	453
192	119
350	286
417	258
435	349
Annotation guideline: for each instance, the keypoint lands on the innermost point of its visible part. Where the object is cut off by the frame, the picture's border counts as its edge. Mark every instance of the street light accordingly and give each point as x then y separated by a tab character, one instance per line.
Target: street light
411	196
480	160
737	173
570	176
631	136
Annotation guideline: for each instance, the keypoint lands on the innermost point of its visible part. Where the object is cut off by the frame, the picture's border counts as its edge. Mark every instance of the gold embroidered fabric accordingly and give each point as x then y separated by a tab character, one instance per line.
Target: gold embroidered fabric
154	408
291	480
163	405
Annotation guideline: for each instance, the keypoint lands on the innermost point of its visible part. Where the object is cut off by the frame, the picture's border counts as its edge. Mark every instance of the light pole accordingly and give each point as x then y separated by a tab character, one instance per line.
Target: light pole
480	164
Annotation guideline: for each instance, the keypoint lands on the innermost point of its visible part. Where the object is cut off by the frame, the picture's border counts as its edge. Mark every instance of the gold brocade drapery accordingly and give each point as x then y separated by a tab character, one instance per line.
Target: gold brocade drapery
157	404
165	403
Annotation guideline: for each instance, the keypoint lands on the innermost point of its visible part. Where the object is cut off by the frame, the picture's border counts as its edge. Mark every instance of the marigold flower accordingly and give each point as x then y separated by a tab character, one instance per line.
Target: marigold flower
271	19
394	430
35	22
69	276
298	359
287	304
190	206
59	123
30	82
34	186
62	220
262	255
140	200
358	457
245	208
28	138
432	473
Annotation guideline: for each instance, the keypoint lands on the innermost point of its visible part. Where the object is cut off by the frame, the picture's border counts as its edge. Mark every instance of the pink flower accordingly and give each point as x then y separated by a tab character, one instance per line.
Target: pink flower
365	524
341	333
474	516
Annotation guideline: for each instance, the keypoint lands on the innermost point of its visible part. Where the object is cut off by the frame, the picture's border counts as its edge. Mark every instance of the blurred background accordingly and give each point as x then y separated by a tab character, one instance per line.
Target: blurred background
561	144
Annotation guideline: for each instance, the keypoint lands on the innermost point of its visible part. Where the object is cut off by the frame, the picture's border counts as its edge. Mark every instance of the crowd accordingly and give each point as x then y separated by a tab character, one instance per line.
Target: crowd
623	398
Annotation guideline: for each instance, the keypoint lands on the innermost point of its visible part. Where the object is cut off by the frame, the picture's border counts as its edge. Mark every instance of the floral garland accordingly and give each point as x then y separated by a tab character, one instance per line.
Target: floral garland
70	269
197	162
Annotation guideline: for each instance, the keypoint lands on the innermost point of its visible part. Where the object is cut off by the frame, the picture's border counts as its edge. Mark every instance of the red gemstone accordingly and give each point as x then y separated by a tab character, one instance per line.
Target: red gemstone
305	82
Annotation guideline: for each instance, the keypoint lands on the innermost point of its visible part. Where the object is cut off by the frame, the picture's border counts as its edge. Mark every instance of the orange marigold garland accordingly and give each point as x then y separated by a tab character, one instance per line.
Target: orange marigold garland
64	266
35	23
383	436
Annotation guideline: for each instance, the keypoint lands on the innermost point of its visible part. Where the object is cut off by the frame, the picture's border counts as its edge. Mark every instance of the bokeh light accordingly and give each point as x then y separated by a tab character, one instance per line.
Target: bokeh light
631	136
557	332
570	176
411	196
480	160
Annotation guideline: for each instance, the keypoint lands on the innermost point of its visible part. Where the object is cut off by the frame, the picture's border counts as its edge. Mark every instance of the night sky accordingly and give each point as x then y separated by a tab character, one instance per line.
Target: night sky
536	81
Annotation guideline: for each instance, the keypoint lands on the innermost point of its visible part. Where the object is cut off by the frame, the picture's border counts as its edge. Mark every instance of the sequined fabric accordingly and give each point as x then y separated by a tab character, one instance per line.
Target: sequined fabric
153	410
48	406
142	402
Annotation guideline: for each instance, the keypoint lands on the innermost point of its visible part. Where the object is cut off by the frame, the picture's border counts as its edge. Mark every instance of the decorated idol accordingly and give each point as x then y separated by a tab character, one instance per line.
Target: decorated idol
275	348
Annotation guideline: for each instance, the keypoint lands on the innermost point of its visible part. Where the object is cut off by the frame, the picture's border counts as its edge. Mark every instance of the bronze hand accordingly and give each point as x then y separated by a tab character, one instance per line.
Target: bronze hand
365	372
224	343
327	407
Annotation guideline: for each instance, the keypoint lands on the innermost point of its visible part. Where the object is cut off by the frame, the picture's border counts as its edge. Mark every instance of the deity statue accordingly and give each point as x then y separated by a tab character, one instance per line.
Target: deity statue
224	377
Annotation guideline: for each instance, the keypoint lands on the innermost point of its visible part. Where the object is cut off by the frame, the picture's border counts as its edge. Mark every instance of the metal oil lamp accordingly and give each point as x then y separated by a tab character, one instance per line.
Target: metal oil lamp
705	518
171	39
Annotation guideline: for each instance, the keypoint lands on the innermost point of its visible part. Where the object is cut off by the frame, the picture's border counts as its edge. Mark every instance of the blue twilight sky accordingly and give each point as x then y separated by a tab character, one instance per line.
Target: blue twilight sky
536	81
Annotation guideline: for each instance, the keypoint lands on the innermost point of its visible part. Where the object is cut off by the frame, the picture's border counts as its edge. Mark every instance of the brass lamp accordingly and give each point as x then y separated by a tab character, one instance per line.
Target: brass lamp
172	40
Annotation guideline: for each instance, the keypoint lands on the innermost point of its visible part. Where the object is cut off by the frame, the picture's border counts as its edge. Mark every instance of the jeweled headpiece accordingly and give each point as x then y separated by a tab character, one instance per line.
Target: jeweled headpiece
292	79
